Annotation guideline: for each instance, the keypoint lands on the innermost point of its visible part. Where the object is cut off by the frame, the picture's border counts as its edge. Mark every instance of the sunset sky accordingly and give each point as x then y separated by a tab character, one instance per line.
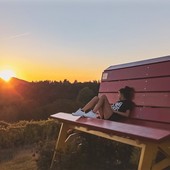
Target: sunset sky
78	39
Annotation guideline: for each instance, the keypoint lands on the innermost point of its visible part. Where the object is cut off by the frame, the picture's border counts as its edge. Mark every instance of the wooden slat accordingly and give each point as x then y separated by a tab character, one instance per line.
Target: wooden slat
152	84
145	71
152	114
146	123
153	99
145	99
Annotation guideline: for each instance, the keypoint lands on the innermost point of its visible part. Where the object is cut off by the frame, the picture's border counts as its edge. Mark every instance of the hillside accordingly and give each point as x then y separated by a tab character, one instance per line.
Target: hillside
13	82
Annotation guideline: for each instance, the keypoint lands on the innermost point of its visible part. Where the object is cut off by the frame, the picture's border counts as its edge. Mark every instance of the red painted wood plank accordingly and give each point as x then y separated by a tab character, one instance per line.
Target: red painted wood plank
149	84
145	99
145	71
153	99
152	114
116	128
146	123
136	131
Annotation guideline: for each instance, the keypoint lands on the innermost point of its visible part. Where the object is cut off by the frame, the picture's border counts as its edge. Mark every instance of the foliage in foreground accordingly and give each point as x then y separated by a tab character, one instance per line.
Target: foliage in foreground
88	152
83	152
27	132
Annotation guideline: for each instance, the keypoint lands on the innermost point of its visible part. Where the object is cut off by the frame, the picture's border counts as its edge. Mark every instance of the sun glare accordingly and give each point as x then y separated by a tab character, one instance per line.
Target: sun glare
7	74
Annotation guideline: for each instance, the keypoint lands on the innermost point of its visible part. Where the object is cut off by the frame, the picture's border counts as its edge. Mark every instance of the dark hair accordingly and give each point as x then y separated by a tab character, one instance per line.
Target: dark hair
128	92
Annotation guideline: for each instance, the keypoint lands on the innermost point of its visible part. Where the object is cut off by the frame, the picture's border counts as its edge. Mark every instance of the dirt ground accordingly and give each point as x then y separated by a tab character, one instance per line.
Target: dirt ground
22	159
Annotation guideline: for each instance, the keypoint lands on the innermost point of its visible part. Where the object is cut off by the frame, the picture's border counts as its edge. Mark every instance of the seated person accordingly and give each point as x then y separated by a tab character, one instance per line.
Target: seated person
99	107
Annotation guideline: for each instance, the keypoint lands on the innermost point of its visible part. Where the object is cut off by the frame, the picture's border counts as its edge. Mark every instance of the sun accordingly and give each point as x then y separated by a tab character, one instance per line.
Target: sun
7	74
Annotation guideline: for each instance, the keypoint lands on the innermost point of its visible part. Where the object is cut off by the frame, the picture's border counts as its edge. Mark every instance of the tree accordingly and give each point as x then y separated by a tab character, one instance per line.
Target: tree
85	95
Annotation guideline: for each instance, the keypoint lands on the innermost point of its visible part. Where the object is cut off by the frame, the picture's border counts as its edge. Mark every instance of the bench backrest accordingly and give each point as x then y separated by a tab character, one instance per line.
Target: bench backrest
151	81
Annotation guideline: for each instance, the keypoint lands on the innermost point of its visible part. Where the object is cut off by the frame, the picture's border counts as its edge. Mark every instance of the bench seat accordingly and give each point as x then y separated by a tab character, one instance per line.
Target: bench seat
115	128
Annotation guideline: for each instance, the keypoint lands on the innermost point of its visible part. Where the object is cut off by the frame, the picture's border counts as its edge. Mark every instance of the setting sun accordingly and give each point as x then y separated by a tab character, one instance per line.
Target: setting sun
7	74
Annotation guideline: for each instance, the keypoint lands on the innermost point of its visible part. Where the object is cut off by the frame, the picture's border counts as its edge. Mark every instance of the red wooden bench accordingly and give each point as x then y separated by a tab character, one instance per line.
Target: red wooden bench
149	124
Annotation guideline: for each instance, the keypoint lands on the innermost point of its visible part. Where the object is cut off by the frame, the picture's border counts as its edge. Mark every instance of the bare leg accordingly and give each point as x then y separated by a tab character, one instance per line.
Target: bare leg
104	108
91	104
101	105
101	113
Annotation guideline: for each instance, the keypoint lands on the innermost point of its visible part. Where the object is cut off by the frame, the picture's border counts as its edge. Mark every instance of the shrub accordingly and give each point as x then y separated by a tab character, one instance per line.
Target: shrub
27	132
88	152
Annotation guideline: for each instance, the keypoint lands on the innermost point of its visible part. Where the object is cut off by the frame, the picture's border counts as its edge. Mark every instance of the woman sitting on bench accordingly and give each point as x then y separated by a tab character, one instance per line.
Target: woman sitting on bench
99	107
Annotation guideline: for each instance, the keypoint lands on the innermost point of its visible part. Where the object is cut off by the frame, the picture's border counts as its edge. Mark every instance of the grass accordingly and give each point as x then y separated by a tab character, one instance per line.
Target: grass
22	160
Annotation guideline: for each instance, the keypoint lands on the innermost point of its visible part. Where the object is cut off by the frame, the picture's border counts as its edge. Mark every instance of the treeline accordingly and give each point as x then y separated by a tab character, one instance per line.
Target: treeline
20	100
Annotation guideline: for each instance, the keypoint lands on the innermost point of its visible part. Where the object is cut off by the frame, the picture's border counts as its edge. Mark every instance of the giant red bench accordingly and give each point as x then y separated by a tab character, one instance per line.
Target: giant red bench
149	124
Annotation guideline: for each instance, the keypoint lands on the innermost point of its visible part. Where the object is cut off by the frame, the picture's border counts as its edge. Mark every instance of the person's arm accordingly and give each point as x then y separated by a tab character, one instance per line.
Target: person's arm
126	114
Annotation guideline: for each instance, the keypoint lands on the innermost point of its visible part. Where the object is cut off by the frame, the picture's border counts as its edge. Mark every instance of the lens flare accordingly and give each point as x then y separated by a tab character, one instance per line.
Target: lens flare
7	74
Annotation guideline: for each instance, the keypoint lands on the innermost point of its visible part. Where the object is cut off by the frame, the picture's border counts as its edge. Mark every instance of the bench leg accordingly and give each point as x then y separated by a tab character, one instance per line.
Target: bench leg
165	149
147	157
60	144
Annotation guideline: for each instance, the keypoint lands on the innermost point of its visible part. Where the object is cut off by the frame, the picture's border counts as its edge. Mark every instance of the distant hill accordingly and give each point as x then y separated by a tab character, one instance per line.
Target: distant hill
13	82
16	81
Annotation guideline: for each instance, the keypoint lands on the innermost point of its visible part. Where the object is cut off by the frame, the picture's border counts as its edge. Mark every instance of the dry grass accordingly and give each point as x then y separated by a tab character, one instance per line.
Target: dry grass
23	160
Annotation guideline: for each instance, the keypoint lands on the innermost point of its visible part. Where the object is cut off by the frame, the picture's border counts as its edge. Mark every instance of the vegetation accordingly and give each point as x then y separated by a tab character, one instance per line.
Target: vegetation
84	152
27	133
22	160
21	142
20	100
25	109
89	152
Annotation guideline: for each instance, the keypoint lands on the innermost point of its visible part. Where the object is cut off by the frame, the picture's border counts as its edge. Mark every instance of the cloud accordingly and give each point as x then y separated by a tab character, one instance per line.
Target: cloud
18	36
